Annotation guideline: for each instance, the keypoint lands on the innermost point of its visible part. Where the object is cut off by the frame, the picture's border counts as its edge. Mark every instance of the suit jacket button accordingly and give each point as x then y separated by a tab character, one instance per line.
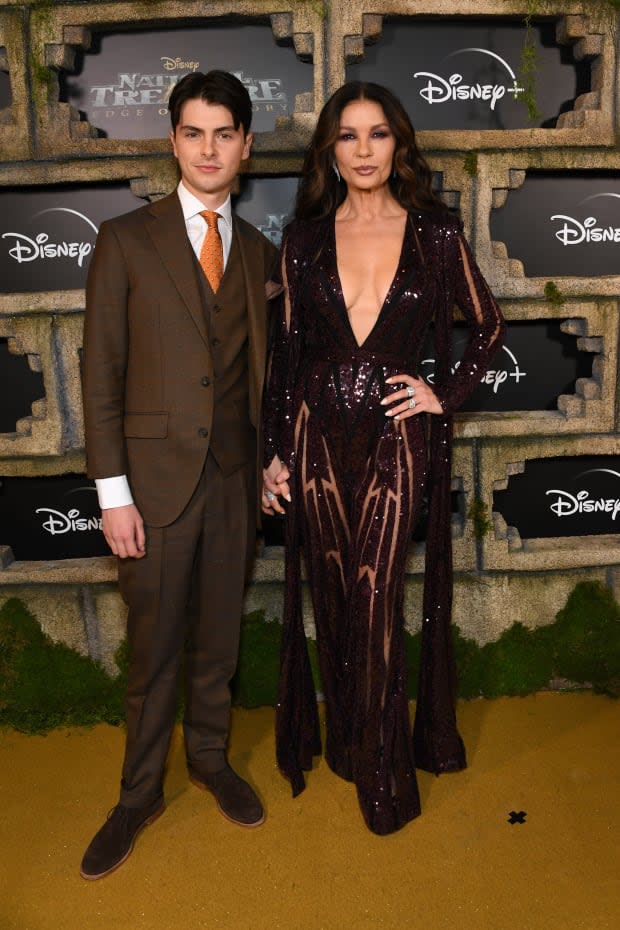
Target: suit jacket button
205	381
203	432
215	341
216	308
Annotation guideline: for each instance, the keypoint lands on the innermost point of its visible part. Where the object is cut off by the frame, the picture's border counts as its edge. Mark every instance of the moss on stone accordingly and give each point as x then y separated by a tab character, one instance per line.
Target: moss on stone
256	679
478	513
517	663
585	638
553	294
470	164
45	684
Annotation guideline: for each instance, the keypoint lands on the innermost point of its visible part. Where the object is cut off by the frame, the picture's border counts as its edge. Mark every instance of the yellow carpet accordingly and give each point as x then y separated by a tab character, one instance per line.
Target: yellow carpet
314	865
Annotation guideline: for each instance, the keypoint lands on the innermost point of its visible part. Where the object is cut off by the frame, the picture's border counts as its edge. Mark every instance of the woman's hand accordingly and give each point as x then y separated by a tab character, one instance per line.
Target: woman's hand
415	397
275	485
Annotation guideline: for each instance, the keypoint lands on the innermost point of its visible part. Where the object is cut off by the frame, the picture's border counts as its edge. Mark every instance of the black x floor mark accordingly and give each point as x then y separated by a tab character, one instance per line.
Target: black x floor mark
517	817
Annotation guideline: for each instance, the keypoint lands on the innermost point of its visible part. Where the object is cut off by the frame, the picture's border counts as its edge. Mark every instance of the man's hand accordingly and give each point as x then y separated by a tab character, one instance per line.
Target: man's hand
124	531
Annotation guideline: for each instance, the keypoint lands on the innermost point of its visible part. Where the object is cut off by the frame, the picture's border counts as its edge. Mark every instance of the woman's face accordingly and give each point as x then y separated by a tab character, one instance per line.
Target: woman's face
364	149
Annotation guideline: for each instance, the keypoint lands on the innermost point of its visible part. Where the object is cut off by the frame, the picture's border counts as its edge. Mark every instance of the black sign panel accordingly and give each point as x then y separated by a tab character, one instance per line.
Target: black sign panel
457	74
51	518
563	497
124	81
47	234
19	387
5	82
563	223
537	363
268	204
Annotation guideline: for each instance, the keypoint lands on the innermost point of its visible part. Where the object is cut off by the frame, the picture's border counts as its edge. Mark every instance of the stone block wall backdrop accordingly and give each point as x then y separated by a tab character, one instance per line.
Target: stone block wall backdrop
516	106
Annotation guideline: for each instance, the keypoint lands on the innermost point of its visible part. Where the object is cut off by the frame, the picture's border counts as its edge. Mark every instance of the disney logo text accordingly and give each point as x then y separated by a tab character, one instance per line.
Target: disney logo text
27	250
176	64
440	90
568	504
57	522
572	232
493	377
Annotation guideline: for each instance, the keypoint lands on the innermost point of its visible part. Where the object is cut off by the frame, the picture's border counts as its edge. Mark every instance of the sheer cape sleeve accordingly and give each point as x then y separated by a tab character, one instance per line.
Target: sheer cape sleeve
465	288
437	744
297	722
285	349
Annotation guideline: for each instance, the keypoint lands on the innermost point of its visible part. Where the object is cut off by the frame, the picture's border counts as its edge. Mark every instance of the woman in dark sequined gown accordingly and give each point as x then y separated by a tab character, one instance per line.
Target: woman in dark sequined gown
354	439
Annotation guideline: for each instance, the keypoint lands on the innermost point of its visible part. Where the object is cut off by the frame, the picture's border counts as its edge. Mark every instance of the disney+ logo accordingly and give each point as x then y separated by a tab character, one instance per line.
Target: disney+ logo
438	89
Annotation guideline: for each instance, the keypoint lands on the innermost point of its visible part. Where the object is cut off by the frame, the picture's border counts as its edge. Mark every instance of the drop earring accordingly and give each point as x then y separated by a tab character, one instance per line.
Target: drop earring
336	172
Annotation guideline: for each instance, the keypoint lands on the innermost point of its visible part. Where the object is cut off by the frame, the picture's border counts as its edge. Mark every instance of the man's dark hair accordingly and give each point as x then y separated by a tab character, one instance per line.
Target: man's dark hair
216	87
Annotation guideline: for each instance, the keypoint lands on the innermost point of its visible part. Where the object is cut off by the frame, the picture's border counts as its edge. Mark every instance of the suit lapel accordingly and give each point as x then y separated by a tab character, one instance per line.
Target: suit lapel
252	266
169	236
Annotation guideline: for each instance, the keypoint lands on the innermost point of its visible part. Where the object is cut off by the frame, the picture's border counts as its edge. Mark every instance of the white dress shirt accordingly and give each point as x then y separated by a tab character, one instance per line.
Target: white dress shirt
115	491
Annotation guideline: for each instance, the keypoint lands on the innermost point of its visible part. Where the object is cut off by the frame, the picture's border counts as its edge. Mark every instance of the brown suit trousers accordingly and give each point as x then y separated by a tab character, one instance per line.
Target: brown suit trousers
187	608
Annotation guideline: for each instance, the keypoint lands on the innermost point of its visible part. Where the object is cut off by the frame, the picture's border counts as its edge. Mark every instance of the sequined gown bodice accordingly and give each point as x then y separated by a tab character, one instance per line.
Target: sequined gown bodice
342	382
357	481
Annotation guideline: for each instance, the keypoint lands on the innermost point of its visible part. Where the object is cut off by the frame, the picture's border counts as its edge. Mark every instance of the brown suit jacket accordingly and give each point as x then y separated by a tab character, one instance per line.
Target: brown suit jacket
147	358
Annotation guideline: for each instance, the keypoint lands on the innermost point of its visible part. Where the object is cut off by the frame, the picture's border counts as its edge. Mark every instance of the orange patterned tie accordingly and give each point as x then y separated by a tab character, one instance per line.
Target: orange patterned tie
212	252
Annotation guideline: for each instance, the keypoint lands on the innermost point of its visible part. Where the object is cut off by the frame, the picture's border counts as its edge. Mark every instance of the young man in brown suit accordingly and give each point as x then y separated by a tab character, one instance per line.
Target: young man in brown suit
174	359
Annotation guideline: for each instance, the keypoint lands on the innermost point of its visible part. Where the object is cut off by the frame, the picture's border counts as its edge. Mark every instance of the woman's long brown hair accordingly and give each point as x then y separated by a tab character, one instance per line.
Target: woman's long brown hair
320	192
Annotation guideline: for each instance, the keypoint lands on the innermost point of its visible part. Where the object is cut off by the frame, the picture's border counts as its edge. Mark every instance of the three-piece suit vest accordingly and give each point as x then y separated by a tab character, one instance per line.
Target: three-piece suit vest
233	438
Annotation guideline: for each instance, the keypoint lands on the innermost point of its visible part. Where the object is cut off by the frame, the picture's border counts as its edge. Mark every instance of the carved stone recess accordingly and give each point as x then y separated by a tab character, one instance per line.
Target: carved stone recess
38	408
41	433
591	408
590	31
148	178
503	549
56	38
463	540
15	139
500	173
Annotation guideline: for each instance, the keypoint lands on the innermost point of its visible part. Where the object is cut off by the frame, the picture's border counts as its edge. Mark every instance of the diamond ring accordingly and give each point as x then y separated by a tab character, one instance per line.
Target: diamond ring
410	390
270	496
411	403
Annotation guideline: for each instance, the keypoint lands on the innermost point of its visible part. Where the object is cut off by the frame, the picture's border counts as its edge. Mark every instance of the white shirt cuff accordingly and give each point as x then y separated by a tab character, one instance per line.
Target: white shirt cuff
113	492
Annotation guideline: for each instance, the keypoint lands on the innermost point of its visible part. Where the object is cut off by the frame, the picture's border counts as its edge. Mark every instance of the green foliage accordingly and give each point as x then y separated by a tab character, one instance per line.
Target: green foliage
42	13
582	645
478	513
529	65
468	658
256	679
518	663
586	638
470	164
45	684
553	294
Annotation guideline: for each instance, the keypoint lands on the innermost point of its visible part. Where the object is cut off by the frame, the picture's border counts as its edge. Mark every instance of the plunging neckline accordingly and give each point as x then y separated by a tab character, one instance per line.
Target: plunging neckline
361	345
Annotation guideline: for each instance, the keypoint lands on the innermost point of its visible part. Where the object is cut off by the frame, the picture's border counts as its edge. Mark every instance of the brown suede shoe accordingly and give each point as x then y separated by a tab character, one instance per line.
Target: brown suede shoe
236	800
113	844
